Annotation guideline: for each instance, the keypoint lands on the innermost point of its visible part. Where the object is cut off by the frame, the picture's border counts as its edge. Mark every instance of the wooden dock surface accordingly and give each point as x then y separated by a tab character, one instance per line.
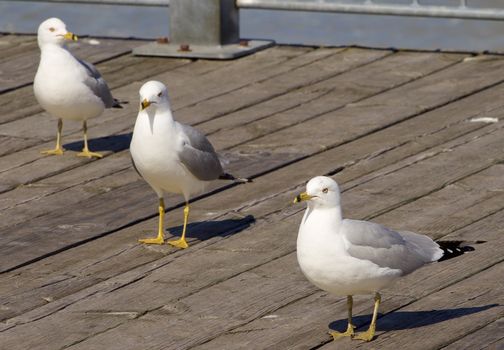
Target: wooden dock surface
397	129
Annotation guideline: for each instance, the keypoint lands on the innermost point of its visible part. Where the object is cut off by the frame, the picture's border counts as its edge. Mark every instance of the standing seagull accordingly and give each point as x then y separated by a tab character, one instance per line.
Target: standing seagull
67	87
349	257
170	156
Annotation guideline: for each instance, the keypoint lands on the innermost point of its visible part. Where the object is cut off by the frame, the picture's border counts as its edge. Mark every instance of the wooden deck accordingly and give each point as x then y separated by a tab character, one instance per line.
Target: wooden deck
392	127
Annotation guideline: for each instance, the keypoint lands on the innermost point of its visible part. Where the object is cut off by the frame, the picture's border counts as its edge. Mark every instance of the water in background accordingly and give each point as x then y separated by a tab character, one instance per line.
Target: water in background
282	26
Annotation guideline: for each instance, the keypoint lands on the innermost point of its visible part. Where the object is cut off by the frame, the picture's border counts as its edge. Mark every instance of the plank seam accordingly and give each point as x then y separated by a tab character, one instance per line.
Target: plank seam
318	115
315	116
41	110
424	155
413	199
283	94
217	190
82	340
45	315
414	301
225	187
3	91
61	189
177	67
136	279
192	104
316	81
219	281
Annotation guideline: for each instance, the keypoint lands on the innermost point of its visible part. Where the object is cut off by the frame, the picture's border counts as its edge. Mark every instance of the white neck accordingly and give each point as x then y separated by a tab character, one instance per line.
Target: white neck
161	112
157	121
332	214
164	108
47	47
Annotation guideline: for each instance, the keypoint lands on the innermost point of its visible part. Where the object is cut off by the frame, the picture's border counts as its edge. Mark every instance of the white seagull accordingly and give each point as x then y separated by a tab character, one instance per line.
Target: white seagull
66	87
170	156
350	257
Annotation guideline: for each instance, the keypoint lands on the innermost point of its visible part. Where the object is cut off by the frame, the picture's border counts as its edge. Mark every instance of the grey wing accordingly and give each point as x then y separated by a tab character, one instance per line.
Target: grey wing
385	247
199	156
422	246
97	84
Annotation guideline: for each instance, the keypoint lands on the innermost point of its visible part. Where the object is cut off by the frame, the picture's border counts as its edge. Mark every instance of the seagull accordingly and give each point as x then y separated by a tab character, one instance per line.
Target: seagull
349	257
170	156
66	87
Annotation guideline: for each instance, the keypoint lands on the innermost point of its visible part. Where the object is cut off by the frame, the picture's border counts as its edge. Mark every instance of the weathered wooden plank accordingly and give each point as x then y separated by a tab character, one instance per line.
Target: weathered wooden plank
384	109
323	68
376	139
45	132
270	185
10	144
313	165
11	45
404	70
252	69
488	337
304	324
267	240
19	70
350	60
266	62
21	103
25	126
106	219
79	184
456	312
354	83
408	138
455	172
36	167
461	202
326	96
144	66
194	319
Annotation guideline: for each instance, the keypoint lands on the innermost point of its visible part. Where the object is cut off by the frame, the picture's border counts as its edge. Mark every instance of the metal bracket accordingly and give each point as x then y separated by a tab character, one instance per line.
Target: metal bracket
203	29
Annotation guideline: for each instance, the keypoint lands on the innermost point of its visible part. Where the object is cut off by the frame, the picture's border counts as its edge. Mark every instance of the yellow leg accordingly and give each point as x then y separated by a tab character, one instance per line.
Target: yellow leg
369	334
350	328
181	242
85	151
160	237
58	150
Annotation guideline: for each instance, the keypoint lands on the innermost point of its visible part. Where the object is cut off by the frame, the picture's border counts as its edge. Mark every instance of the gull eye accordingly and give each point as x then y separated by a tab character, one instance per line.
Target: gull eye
160	94
325	190
52	29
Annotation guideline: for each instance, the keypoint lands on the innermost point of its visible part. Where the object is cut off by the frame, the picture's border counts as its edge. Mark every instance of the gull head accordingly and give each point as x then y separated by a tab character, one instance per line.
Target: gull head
154	94
321	191
53	31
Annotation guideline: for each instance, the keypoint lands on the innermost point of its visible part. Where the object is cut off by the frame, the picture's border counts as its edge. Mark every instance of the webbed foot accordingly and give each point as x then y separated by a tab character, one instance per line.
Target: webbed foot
179	243
53	152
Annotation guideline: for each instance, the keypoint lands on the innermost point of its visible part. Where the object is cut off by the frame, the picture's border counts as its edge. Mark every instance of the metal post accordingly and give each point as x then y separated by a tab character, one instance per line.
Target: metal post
203	29
208	22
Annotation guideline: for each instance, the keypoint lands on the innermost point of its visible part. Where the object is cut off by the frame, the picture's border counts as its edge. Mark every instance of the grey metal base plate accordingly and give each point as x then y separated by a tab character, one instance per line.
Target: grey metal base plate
219	52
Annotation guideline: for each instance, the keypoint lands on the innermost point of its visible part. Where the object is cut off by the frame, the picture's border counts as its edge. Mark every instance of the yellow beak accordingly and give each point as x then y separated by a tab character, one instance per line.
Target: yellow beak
70	36
144	104
302	197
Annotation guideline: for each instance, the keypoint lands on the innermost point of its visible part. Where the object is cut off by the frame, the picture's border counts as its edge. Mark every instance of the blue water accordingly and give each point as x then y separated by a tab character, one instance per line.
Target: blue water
282	26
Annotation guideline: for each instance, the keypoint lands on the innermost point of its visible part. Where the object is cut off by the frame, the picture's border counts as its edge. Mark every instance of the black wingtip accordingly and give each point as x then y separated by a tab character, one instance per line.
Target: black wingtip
452	249
118	104
227	176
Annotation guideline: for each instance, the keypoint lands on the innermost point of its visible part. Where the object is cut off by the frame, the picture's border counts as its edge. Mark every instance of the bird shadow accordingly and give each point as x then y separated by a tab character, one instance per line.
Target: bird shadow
203	230
114	143
401	320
